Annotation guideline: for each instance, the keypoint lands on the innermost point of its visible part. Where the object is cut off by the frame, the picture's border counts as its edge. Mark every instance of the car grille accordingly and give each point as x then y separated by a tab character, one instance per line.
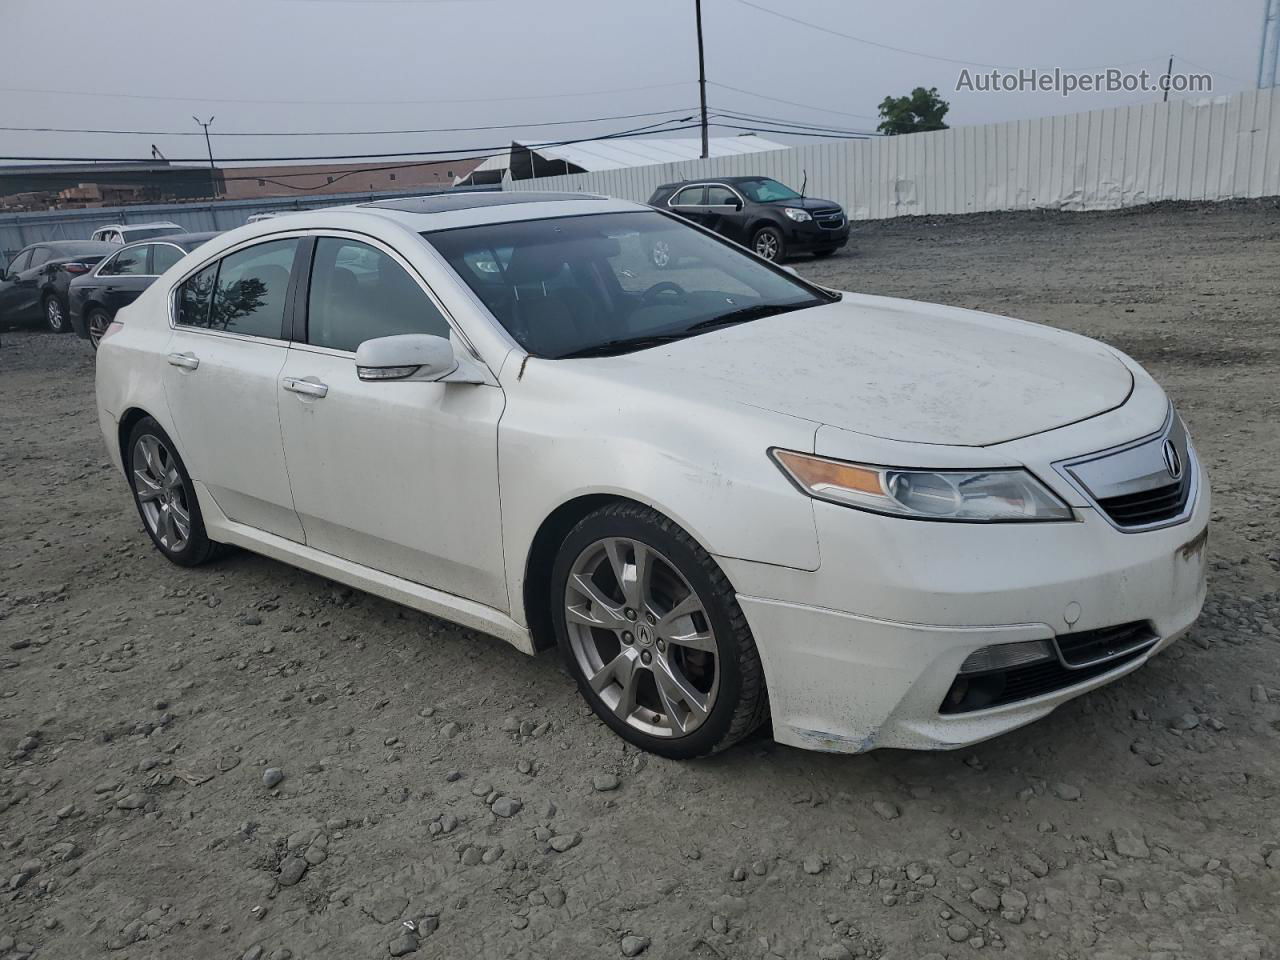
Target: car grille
829	219
1081	657
1149	506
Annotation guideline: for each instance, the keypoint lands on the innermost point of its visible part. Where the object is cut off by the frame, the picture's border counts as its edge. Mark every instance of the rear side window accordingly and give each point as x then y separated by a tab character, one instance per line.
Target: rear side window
164	256
20	262
689	196
359	293
129	262
39	255
248	291
194	297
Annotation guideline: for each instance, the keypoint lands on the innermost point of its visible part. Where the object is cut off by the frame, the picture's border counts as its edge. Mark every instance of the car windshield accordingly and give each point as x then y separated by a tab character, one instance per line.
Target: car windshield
766	191
144	233
603	284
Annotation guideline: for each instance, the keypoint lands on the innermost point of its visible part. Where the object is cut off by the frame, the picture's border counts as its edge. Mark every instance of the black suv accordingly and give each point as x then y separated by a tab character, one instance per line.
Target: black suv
762	214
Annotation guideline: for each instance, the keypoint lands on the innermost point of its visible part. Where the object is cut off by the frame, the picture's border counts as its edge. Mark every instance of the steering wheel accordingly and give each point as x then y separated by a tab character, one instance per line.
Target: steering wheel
664	286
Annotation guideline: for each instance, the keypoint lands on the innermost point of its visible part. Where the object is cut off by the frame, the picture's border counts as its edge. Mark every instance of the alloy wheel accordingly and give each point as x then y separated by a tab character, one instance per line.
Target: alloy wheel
53	313
98	323
161	493
767	246
642	637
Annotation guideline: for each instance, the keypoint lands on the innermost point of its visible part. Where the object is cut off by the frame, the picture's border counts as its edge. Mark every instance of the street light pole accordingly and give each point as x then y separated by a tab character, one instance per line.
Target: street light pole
213	171
702	77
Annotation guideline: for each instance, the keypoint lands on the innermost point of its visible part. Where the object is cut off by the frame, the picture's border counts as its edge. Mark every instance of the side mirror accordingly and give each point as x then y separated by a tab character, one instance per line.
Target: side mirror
409	356
737	204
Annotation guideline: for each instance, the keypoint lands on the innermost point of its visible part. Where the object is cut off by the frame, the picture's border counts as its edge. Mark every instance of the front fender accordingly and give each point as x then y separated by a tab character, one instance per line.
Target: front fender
566	434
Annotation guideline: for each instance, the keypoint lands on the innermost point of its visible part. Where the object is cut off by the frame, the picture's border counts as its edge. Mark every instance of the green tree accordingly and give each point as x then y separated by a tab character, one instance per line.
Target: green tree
921	111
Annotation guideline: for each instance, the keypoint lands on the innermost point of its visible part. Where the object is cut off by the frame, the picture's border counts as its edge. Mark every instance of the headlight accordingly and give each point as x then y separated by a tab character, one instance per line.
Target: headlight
796	214
976	496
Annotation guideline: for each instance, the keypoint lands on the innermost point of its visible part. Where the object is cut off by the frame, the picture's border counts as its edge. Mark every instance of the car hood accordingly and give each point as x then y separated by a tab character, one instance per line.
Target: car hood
896	369
807	203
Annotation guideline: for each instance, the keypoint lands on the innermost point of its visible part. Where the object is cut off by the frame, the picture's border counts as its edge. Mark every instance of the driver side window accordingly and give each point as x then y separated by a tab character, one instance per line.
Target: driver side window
20	262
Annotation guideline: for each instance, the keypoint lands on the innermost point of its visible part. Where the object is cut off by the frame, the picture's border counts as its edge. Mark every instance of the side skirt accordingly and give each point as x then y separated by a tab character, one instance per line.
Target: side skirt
446	606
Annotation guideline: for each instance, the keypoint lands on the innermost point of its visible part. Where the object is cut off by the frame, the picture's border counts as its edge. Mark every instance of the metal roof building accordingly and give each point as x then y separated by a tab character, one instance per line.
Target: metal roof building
527	160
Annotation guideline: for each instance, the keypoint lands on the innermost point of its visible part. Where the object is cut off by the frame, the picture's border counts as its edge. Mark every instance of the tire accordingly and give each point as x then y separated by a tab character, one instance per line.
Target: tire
55	314
166	485
678	698
95	324
823	254
767	242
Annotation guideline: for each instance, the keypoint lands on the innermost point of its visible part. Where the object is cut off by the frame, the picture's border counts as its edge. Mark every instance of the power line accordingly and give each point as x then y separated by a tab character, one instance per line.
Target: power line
790	103
349	133
782	122
454	153
825	136
355	103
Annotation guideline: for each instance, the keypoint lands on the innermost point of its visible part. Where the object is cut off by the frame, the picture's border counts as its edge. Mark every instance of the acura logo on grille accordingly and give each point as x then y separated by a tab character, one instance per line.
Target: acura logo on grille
1172	461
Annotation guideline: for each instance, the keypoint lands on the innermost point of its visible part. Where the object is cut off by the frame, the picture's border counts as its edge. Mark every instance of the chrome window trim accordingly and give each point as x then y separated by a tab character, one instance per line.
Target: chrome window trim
97	271
705	184
1063	469
316	233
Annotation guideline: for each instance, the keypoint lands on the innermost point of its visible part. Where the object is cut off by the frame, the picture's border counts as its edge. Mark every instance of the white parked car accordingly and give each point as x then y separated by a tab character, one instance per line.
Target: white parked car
726	494
132	232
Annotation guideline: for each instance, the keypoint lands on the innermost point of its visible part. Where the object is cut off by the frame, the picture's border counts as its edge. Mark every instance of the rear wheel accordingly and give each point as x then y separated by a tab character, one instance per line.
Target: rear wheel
768	243
652	633
165	496
55	317
97	323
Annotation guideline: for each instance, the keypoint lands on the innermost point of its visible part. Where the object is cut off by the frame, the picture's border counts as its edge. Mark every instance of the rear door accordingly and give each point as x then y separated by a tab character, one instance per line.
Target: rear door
221	381
11	289
689	202
122	278
399	476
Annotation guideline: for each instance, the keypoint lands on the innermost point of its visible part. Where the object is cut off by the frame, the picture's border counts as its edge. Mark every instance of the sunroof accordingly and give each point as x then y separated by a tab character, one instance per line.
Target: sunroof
467	200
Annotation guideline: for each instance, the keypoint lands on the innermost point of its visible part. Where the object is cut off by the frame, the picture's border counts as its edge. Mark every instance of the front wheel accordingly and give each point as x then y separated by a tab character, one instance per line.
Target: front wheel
55	317
768	243
653	634
97	323
165	496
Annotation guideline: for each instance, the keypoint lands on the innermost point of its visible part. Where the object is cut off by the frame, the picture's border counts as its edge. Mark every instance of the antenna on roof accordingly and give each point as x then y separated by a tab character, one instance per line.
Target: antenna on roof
804	185
157	155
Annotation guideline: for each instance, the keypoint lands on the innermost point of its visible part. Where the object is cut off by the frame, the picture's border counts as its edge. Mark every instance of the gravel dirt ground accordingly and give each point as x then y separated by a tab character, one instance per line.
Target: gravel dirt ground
441	795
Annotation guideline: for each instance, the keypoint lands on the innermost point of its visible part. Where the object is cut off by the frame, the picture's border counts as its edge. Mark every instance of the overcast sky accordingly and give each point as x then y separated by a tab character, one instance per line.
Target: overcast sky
346	65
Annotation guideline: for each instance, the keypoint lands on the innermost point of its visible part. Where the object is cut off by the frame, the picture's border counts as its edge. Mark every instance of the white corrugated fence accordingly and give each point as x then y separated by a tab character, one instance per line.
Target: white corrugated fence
1212	149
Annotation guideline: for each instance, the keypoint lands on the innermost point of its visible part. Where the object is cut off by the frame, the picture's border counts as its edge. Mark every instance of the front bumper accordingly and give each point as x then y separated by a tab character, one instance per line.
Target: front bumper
927	595
809	236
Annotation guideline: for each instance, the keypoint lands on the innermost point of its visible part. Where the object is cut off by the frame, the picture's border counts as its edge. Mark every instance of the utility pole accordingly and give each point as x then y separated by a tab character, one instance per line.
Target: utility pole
1168	76
702	78
213	171
1269	48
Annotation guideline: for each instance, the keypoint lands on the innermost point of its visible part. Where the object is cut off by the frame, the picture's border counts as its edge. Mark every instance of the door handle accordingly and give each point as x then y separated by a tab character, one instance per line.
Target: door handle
309	388
187	361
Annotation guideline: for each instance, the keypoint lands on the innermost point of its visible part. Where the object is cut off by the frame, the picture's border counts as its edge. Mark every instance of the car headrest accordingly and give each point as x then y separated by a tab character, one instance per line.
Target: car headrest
535	264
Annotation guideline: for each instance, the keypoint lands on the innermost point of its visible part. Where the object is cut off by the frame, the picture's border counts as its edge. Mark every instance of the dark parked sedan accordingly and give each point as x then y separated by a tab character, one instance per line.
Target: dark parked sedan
119	279
35	282
757	212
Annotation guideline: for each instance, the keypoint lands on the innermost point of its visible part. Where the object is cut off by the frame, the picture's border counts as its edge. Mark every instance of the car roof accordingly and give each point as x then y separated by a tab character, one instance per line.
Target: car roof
138	226
734	179
80	244
445	211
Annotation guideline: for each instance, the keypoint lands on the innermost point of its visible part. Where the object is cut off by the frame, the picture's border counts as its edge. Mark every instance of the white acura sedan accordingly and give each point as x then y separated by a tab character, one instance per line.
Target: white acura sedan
726	494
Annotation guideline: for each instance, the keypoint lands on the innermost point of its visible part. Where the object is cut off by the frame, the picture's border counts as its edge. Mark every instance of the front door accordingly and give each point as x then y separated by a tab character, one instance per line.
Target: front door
122	278
221	379
398	476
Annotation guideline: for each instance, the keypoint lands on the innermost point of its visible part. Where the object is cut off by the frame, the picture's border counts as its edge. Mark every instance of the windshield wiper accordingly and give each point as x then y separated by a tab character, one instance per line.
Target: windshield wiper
622	345
746	314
